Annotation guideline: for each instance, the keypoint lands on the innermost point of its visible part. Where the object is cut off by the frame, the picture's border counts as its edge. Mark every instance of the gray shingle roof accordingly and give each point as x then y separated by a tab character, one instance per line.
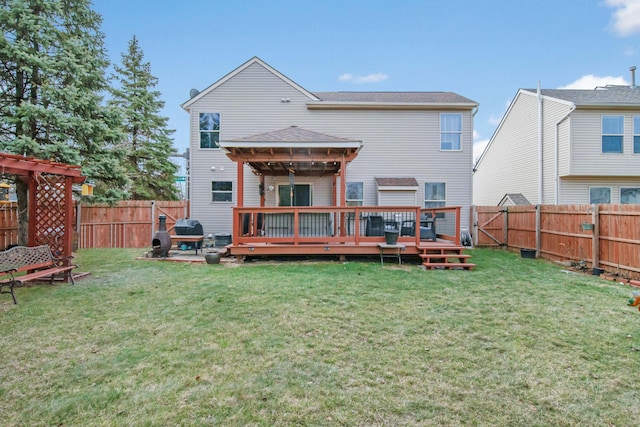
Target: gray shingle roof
396	182
609	95
292	134
395	97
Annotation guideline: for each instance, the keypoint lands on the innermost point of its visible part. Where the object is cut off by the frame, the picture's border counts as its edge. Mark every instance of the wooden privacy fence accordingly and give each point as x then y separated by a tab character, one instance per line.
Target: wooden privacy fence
128	224
597	236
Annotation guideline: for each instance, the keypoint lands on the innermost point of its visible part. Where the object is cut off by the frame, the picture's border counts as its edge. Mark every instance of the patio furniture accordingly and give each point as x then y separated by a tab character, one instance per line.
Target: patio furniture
38	262
427	228
387	250
375	225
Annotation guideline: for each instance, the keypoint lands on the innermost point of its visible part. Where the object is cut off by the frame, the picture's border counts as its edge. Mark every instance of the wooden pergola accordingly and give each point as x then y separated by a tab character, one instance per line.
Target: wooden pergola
50	201
296	151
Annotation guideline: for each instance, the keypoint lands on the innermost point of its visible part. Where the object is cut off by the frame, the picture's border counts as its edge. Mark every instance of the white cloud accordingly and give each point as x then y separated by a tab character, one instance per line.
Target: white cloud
591	82
626	17
494	120
369	78
478	148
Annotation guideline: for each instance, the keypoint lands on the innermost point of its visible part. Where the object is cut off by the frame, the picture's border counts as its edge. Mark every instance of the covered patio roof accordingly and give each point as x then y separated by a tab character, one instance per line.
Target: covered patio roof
293	149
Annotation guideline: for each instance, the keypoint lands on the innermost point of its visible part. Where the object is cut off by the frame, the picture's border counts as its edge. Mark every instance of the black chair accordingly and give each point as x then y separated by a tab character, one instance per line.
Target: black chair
375	226
427	227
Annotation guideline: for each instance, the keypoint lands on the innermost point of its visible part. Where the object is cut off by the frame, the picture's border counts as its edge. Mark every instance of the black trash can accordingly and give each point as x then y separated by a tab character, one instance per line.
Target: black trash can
189	227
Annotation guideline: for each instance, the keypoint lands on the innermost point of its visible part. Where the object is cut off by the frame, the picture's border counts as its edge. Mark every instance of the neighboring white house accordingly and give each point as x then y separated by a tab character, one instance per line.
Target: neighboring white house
564	146
414	148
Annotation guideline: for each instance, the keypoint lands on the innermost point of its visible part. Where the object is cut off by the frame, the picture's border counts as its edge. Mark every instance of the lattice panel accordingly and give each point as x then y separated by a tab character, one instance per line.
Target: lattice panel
50	212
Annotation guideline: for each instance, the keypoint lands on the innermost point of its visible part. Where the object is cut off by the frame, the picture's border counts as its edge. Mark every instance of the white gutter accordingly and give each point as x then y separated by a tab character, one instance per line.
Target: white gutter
540	153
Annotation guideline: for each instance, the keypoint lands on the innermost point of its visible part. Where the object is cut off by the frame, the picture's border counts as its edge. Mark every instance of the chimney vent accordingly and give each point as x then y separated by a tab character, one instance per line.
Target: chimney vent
633	76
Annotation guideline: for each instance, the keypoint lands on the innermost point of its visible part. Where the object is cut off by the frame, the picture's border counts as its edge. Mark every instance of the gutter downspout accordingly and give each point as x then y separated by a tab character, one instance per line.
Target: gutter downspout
540	153
557	154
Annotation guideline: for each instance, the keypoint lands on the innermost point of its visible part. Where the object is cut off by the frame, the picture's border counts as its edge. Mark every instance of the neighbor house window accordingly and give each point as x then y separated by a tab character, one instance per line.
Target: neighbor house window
355	193
630	196
636	134
221	191
450	131
209	130
600	195
612	133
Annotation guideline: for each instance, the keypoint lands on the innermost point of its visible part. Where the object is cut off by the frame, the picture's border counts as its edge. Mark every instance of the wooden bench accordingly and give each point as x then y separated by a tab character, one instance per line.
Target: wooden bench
38	262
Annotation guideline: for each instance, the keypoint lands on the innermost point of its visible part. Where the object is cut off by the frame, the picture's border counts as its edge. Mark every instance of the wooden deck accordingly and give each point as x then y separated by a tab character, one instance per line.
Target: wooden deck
344	231
439	254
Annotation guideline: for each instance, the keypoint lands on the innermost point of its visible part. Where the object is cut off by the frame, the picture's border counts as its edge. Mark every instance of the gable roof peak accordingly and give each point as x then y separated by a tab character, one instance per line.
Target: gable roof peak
241	68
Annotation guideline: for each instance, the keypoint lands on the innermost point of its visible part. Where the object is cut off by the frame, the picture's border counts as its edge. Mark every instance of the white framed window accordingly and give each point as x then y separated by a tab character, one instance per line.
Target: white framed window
612	134
599	195
209	126
355	193
435	194
221	191
630	196
450	131
636	134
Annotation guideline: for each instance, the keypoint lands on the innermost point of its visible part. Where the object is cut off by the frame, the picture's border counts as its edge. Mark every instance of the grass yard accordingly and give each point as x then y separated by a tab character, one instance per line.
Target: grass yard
515	342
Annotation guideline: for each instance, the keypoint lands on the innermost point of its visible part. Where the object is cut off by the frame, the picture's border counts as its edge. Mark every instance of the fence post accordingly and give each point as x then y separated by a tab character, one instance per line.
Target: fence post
505	227
538	232
474	224
153	219
595	237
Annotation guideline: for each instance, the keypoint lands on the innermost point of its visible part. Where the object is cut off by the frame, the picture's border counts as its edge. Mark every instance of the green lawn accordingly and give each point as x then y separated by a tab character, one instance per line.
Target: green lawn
515	342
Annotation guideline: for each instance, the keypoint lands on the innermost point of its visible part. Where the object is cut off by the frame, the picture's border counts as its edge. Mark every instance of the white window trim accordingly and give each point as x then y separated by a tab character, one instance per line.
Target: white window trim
219	131
461	131
627	188
602	134
424	201
636	133
221	192
358	200
600	186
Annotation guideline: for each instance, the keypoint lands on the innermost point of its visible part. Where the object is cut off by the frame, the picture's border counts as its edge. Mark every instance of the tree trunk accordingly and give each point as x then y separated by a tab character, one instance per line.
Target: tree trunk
22	193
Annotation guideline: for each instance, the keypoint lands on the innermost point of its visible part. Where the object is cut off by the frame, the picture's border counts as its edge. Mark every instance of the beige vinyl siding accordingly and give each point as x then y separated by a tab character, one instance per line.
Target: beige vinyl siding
397	198
587	158
576	190
552	113
250	103
510	163
564	147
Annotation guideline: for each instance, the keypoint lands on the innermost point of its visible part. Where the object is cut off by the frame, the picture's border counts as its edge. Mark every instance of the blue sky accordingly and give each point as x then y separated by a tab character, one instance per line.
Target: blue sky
484	50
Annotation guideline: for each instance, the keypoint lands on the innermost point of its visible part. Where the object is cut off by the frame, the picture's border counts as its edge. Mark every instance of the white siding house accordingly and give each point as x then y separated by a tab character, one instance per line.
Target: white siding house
424	137
564	147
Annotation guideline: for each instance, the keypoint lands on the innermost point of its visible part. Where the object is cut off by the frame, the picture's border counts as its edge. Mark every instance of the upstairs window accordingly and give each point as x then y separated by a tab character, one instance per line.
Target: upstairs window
612	133
599	195
209	130
636	134
355	193
450	132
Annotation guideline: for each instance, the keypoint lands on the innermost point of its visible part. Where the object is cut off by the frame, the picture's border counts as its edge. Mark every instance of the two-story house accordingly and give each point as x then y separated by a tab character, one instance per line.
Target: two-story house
562	146
260	139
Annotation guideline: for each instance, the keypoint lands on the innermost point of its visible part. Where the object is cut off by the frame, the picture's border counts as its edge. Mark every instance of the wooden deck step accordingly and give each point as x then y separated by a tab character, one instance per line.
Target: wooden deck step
459	256
449	265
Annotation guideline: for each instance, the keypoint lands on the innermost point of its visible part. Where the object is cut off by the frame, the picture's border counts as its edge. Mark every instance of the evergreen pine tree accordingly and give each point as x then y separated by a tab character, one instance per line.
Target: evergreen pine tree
52	76
148	140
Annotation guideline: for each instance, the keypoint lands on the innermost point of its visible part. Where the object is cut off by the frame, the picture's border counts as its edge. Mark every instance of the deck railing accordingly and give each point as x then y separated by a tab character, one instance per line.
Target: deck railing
339	225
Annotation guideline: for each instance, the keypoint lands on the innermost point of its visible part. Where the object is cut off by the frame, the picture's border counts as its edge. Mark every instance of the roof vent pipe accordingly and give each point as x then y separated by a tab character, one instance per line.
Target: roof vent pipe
633	76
